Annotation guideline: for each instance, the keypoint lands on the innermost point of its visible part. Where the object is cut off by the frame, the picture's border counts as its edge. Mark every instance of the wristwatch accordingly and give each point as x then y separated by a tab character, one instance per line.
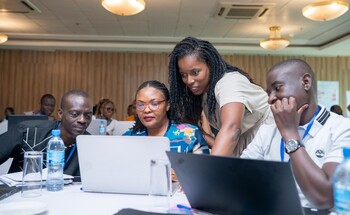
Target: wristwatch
292	145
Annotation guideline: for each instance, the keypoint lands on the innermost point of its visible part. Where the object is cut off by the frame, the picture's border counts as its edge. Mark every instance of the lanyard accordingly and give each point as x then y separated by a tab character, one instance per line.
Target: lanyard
71	153
306	133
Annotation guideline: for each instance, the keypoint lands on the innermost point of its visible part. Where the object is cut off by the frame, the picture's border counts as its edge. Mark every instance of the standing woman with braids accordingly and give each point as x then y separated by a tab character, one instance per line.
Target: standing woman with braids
200	79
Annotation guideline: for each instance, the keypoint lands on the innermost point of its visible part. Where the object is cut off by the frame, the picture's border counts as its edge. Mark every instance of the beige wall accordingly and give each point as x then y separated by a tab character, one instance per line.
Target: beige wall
26	75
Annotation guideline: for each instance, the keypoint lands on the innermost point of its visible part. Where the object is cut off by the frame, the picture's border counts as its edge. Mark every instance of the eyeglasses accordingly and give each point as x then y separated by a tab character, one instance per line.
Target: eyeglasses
110	109
153	105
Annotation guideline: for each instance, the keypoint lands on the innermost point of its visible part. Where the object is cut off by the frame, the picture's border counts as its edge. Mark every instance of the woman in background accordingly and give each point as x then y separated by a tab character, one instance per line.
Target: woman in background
152	119
201	80
105	110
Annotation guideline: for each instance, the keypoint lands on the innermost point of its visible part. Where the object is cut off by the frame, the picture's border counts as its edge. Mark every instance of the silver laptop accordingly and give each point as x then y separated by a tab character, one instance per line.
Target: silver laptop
95	125
122	126
118	164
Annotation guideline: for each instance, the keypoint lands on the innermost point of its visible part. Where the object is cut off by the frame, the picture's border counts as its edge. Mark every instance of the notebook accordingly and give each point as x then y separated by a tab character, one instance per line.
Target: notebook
122	126
93	128
118	164
224	185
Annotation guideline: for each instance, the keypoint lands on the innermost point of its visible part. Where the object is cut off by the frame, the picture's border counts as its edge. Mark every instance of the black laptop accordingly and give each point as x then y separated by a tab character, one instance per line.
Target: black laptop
235	186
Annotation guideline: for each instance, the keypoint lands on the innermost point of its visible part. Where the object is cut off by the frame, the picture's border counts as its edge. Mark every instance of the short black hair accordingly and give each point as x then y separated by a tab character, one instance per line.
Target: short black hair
47	96
72	92
303	67
10	109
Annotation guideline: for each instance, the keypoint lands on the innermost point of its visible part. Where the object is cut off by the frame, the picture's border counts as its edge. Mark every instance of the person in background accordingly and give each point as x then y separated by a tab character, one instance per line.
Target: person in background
131	112
94	109
4	123
74	114
153	112
306	135
9	111
47	107
336	109
200	79
105	110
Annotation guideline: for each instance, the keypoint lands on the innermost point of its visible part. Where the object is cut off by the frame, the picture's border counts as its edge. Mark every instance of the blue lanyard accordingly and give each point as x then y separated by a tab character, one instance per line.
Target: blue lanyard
71	151
70	154
306	133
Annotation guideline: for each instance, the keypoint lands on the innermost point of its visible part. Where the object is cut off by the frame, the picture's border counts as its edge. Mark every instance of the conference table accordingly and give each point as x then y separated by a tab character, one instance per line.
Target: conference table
72	200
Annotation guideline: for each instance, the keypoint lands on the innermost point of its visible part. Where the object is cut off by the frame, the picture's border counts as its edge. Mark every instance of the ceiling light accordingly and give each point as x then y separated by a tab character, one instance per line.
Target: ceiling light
124	7
3	38
275	41
325	10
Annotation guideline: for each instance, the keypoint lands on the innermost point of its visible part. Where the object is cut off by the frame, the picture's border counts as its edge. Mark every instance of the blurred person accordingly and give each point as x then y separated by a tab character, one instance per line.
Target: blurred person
105	110
336	109
47	107
9	111
4	123
131	112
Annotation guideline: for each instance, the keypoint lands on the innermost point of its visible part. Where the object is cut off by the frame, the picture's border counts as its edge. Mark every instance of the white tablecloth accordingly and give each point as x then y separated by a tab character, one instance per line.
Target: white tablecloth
74	201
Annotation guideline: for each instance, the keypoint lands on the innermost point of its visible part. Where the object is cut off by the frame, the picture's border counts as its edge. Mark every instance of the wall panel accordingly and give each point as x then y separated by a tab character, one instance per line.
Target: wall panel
26	75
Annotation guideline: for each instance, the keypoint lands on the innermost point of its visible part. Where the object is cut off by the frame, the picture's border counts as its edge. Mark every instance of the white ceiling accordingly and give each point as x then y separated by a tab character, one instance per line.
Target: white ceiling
86	25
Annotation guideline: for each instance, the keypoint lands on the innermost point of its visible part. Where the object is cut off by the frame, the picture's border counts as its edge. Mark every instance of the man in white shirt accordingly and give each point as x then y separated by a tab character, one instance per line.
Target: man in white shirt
305	134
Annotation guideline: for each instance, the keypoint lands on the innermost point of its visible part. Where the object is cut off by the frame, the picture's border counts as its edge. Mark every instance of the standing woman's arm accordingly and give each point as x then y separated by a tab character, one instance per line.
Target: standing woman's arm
231	116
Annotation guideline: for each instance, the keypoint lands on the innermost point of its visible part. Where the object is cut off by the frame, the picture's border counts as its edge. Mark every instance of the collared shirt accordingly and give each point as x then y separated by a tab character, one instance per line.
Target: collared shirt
324	142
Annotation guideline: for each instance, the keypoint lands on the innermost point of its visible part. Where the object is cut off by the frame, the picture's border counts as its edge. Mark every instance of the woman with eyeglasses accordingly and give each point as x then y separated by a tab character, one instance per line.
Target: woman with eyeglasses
152	119
105	110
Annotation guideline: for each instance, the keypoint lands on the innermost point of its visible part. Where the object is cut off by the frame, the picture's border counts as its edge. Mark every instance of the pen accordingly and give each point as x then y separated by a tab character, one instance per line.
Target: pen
183	207
193	211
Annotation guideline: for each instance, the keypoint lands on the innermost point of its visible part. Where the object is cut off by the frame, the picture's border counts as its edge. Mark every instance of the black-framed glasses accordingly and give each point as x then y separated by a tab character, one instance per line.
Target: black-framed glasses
153	105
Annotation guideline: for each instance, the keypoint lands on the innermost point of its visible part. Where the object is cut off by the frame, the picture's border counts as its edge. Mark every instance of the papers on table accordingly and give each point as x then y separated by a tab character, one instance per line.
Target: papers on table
15	179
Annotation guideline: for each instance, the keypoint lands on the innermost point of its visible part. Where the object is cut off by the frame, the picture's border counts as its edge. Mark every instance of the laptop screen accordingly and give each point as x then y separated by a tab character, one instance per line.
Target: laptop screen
118	164
224	185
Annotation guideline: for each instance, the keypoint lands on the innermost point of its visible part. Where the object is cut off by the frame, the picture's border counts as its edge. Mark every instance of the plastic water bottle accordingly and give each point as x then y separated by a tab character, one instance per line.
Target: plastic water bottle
342	185
102	128
55	162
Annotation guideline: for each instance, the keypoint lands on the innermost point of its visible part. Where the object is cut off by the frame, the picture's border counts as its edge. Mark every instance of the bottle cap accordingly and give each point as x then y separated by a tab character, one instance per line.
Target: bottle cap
101	122
346	152
56	132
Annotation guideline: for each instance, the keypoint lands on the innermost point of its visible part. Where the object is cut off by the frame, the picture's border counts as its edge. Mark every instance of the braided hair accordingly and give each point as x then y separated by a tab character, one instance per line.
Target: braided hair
185	105
138	127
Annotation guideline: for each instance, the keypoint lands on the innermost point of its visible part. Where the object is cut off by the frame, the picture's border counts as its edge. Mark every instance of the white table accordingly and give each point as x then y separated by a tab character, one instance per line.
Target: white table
74	201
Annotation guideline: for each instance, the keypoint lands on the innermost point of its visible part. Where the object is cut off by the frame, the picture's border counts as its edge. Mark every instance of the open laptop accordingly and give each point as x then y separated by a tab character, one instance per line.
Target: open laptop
122	126
94	126
118	164
223	185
